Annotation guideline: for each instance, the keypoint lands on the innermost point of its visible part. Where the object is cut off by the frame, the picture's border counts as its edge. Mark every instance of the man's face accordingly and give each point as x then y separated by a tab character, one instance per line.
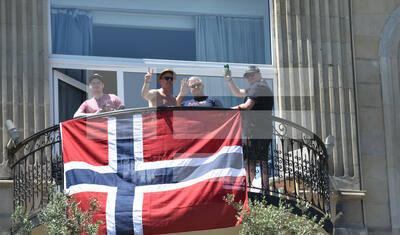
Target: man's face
96	86
253	77
167	80
196	87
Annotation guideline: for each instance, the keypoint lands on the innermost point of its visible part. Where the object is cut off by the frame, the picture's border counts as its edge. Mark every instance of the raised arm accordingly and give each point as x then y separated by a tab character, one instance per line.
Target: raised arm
236	91
184	90
146	92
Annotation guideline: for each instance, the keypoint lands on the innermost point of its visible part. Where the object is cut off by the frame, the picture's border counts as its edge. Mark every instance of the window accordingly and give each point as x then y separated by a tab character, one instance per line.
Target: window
144	43
121	38
218	31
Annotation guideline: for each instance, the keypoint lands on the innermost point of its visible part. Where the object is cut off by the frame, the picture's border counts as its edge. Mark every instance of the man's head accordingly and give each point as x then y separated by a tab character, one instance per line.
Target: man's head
96	84
252	74
196	86
167	78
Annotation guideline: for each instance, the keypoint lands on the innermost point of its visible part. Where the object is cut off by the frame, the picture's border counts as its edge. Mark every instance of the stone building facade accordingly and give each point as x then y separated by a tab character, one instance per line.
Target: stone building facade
337	67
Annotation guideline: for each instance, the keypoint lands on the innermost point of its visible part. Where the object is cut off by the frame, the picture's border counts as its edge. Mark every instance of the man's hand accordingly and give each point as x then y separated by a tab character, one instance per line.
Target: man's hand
228	76
184	90
148	76
106	108
146	92
184	86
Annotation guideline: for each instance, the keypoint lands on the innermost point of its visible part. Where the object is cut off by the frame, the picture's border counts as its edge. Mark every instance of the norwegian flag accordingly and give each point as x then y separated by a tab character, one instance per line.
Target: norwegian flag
157	172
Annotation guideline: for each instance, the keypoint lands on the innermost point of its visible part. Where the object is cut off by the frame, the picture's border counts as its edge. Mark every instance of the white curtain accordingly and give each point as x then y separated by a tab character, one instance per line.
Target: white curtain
230	39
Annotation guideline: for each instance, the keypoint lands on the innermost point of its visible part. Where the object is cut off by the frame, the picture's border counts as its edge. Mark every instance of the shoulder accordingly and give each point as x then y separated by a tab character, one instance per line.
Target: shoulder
87	102
84	105
155	91
212	98
261	88
113	97
215	101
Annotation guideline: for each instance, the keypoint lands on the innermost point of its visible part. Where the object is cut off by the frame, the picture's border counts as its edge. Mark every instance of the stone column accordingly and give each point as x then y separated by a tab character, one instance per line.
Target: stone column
315	76
24	86
24	67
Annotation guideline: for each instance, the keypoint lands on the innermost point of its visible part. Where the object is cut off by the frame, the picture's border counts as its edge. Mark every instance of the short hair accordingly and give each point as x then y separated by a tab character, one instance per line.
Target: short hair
195	78
96	76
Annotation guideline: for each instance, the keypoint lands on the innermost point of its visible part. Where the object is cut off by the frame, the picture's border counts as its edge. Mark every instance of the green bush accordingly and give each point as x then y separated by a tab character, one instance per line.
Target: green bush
63	216
260	218
21	219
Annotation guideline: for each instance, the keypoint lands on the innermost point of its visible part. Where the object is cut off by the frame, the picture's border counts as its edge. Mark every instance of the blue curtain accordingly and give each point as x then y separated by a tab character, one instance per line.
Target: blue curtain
230	39
71	34
71	31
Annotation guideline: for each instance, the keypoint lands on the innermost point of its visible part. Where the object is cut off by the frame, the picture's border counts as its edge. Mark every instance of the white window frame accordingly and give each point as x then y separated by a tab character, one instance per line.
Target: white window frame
121	65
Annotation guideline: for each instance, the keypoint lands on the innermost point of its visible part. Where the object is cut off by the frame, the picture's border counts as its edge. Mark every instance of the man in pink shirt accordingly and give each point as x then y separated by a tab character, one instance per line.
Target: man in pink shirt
100	102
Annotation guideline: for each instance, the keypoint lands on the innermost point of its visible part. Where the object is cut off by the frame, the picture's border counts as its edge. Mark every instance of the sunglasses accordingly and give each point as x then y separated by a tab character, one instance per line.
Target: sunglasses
249	75
196	85
168	78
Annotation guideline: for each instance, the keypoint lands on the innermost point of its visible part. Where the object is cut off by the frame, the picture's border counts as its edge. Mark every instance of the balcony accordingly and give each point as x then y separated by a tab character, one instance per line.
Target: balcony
294	166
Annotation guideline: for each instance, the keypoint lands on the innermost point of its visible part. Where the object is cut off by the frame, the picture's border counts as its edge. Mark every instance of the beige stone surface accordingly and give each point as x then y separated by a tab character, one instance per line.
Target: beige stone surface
372	6
377	215
366	47
375	183
6	205
372	143
369	95
370	119
367	71
351	212
369	24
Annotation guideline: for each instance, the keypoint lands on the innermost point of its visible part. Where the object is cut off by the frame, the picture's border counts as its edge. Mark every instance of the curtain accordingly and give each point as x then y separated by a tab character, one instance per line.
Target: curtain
230	39
71	34
71	31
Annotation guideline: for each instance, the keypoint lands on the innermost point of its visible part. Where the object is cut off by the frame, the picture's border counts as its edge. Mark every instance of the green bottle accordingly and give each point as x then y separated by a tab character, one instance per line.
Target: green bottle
226	66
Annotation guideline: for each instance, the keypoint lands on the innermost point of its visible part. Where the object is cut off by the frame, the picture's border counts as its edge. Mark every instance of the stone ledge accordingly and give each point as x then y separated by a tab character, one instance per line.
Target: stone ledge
6	182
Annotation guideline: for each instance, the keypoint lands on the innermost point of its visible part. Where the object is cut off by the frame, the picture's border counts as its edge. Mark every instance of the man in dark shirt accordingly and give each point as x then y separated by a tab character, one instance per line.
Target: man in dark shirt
257	120
199	99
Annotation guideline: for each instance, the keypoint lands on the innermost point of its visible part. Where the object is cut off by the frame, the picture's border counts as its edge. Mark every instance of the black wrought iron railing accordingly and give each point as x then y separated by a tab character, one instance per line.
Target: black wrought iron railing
292	166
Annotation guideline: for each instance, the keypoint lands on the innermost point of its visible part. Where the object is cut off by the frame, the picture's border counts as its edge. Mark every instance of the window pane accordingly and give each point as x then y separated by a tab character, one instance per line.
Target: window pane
143	43
69	100
72	89
211	31
213	86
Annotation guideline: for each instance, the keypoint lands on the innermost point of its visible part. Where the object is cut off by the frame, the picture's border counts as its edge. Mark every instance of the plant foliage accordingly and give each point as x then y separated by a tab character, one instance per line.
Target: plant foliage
21	220
63	215
259	218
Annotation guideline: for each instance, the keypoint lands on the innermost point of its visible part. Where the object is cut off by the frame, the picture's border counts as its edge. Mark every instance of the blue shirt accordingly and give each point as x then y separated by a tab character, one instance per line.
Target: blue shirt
204	101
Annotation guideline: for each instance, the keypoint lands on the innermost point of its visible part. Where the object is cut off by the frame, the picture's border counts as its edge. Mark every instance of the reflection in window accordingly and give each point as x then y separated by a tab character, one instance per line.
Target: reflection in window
143	43
211	38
